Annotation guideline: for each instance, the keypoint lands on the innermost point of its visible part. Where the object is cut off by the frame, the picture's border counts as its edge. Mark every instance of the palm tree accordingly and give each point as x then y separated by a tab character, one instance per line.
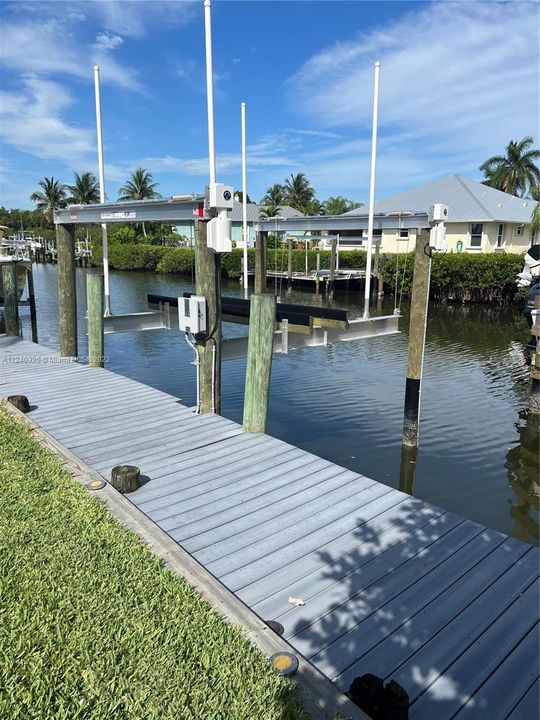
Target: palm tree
316	207
85	189
275	195
298	192
270	211
139	187
339	205
51	197
514	172
535	216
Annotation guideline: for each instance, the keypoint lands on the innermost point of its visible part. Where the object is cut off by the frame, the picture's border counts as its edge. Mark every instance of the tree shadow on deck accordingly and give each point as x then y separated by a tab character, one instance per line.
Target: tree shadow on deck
403	596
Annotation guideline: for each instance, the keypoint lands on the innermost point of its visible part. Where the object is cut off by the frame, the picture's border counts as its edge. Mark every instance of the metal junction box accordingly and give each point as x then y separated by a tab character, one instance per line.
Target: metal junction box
192	314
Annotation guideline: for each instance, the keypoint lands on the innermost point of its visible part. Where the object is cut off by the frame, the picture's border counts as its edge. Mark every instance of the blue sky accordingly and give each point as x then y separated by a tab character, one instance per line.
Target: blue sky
458	80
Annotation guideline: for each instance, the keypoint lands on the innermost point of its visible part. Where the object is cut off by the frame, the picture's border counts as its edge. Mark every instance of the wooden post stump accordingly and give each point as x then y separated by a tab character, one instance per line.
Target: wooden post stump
125	478
20	402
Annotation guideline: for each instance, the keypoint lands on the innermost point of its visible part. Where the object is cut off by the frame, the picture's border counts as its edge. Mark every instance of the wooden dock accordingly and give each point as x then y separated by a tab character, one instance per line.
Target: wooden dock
392	586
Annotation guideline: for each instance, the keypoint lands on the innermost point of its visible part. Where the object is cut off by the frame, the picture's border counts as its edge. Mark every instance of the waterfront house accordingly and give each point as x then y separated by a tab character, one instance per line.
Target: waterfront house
480	218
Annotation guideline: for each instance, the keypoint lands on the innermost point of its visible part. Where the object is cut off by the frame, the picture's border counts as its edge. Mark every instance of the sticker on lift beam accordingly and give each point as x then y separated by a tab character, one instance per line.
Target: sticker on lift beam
125	215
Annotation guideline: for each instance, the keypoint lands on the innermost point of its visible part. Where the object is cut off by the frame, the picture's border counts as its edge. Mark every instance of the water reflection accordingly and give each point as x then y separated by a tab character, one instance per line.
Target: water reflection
345	402
522	468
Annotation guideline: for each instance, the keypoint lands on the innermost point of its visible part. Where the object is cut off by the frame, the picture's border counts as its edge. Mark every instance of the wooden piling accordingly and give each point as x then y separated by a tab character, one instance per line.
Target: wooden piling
95	305
534	399
260	262
262	322
317	278
67	294
11	299
208	344
417	339
289	265
32	303
332	267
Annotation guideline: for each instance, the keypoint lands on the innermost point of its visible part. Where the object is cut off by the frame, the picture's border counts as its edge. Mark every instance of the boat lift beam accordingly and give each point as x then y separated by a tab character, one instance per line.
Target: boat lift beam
175	208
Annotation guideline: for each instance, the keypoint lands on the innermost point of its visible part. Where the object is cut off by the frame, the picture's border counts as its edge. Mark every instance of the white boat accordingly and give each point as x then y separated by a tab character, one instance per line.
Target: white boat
13	252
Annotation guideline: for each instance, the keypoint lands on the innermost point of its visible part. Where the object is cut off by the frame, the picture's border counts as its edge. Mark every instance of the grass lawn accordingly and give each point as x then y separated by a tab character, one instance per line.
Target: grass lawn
92	625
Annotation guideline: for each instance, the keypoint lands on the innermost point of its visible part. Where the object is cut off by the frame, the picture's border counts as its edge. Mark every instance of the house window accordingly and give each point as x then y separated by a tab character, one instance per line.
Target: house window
402	234
519	230
500	236
476	234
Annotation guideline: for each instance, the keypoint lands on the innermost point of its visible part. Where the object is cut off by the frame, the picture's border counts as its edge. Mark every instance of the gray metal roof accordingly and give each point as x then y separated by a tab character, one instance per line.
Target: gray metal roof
467	200
254	212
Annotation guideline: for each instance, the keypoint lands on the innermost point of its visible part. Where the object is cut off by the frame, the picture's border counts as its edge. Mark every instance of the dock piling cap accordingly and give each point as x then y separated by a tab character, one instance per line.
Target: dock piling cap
284	664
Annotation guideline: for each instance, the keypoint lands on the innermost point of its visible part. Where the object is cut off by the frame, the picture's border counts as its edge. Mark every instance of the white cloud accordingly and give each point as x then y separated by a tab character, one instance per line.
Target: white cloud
51	47
458	81
133	18
31	121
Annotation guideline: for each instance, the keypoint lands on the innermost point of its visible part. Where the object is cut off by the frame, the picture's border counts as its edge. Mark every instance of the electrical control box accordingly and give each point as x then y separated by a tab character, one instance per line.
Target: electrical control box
218	234
437	238
192	314
438	213
219	196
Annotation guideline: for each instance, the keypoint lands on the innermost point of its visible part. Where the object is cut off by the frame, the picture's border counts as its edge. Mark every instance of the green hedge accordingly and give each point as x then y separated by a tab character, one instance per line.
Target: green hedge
484	277
464	277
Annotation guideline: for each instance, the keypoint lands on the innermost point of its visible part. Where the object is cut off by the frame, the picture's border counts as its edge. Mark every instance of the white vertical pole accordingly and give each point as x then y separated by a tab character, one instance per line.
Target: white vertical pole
101	171
337	252
244	198
210	89
372	188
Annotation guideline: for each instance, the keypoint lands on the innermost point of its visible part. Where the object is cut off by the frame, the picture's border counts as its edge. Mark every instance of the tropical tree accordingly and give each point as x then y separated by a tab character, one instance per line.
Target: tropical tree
316	207
516	171
298	192
85	189
338	205
139	187
270	211
275	195
535	216
51	197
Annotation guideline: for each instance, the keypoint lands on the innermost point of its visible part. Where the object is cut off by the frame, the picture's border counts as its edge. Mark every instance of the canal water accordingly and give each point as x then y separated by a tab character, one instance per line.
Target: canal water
478	453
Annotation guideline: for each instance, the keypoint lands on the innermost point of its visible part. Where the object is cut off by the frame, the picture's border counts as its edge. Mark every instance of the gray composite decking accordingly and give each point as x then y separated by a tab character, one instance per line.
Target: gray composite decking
392	585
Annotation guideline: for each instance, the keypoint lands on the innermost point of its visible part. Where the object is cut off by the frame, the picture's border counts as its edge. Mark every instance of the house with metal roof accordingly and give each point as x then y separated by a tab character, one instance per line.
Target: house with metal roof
480	218
186	228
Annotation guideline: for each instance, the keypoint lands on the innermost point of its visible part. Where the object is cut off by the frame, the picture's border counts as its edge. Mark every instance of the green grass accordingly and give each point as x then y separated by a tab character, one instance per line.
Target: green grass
92	625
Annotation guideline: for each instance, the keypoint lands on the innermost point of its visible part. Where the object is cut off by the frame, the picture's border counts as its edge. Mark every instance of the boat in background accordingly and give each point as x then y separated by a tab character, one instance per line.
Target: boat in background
14	250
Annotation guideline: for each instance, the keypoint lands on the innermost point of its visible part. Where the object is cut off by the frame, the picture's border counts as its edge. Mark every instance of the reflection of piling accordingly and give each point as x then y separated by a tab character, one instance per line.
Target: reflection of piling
67	295
407	469
534	400
95	303
417	339
32	303
262	322
208	344
11	299
522	468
